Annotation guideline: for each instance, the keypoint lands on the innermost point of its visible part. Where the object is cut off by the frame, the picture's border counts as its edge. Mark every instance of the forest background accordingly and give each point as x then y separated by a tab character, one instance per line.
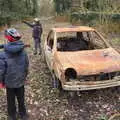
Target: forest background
92	12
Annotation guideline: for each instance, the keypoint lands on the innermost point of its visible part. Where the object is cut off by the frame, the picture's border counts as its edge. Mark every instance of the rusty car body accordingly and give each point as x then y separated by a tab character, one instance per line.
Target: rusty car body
79	58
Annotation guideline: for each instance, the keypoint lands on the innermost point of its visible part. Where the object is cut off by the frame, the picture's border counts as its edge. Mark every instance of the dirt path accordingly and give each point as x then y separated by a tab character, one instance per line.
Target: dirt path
46	103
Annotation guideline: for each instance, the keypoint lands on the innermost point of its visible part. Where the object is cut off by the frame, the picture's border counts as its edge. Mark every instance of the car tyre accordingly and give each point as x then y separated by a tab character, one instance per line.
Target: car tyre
56	82
118	89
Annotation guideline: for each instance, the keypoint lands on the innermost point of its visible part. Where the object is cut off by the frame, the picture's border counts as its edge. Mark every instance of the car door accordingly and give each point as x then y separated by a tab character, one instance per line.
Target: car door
49	49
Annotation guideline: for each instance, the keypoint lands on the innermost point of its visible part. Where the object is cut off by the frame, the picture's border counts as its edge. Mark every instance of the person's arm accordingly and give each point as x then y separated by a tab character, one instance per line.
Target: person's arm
13	48
2	72
1	46
29	24
27	65
26	70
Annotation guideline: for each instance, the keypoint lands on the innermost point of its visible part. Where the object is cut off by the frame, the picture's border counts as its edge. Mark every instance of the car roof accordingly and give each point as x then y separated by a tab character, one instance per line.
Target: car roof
73	29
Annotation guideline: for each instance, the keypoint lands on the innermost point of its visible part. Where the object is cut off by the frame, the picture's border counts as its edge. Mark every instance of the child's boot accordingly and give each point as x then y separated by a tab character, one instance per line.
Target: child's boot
25	117
12	118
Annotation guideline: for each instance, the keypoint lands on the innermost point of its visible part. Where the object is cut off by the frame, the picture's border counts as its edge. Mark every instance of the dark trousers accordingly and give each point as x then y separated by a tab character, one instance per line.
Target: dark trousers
37	45
13	93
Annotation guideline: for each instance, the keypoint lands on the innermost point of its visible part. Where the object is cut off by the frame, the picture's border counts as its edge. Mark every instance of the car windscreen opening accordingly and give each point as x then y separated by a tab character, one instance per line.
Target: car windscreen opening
77	41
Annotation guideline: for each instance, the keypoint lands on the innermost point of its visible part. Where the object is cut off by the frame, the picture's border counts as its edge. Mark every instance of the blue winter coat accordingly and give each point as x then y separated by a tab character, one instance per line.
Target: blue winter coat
37	29
13	64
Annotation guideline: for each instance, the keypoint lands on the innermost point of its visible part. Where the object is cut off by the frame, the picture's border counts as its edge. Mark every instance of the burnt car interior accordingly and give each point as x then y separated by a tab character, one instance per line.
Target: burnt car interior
81	41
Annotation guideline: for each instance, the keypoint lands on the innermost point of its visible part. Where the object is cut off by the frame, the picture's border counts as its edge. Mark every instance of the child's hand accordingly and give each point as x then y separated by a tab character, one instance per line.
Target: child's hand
26	45
23	21
26	82
2	85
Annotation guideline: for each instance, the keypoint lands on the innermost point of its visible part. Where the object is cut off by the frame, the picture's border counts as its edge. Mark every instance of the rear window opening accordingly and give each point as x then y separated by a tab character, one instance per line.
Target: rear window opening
77	41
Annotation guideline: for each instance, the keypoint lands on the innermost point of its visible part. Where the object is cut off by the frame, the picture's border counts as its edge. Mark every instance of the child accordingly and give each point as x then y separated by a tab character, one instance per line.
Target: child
13	71
37	32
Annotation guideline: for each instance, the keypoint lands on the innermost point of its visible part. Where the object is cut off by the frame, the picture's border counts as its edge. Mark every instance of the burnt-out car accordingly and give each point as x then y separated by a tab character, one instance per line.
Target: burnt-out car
79	58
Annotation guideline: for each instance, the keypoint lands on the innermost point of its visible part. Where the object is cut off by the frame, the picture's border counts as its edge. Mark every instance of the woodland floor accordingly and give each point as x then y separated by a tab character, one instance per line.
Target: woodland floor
45	103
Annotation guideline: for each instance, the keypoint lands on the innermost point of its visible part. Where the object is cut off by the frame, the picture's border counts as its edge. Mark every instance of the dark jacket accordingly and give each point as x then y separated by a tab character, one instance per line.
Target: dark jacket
13	64
37	29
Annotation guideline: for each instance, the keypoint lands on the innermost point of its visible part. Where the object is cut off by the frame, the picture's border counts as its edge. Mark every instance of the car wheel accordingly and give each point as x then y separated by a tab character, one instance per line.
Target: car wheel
118	89
56	82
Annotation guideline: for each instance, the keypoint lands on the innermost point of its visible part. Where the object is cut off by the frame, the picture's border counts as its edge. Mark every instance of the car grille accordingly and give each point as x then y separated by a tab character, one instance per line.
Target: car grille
101	76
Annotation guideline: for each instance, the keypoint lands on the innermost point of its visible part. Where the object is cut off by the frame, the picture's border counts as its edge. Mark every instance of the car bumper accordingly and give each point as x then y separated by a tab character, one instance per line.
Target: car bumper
91	85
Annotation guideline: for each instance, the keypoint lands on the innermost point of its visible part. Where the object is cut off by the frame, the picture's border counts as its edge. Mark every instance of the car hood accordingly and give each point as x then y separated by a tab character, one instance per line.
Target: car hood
90	61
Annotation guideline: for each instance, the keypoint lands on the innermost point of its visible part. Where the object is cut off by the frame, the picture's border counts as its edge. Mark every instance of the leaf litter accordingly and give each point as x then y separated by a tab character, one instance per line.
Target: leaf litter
46	103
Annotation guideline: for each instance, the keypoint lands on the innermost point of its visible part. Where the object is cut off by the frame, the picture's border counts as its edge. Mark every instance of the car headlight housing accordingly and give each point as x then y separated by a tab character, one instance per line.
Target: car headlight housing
70	74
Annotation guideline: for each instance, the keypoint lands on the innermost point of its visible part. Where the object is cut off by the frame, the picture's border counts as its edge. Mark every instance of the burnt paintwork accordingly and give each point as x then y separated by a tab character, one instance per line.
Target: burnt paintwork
85	63
90	62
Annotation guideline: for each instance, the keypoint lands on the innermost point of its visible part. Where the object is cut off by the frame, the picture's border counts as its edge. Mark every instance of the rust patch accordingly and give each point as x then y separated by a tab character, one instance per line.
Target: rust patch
93	58
90	62
73	29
